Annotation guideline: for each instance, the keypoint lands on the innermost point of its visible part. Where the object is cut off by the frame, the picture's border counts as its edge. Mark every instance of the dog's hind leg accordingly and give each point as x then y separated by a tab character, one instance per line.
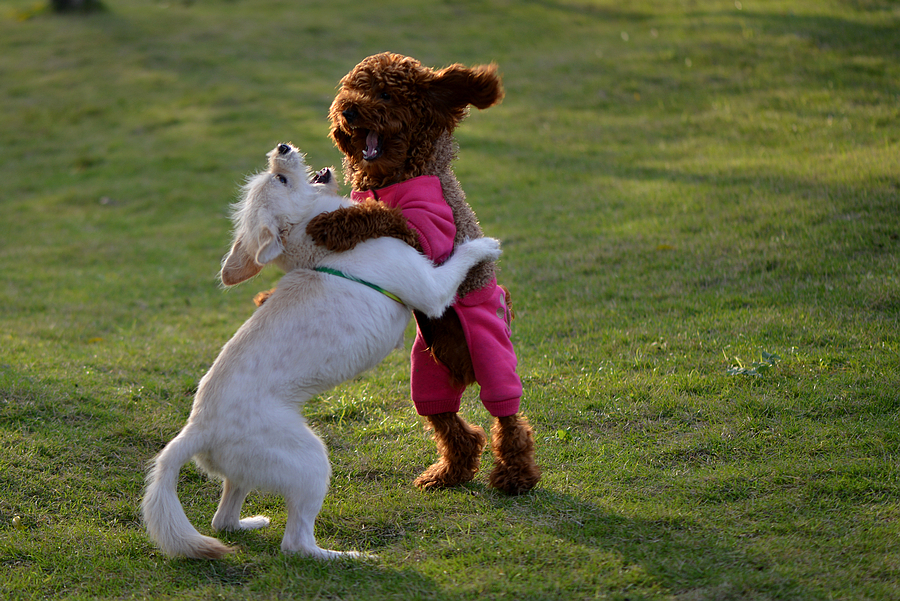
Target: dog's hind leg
512	441
228	515
460	445
299	536
305	473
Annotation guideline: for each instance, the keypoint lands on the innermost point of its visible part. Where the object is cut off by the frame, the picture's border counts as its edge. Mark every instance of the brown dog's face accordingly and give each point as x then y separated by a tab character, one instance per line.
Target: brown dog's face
390	110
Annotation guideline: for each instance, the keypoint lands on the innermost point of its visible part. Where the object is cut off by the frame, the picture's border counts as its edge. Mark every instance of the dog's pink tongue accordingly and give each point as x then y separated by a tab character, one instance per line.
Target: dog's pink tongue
371	145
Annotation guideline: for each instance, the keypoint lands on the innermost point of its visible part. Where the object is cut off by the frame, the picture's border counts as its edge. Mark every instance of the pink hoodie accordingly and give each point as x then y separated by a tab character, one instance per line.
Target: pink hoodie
422	201
483	312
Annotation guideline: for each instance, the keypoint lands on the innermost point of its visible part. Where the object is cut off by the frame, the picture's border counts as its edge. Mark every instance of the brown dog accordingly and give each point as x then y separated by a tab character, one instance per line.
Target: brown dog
393	119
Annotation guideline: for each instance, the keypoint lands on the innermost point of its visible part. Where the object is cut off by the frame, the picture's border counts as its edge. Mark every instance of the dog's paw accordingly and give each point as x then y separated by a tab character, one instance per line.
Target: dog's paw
327	554
355	555
253	523
514	478
484	249
262	297
442	475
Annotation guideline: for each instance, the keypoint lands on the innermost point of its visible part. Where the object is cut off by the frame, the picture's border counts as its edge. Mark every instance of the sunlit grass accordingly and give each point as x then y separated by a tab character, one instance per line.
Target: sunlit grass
683	189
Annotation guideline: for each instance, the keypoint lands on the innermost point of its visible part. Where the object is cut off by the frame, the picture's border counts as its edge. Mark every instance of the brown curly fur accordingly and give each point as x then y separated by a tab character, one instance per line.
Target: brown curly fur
460	445
512	442
262	297
414	126
446	340
413	110
409	106
344	228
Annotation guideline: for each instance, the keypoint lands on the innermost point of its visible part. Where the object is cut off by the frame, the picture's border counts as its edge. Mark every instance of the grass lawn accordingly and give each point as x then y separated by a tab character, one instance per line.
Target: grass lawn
699	202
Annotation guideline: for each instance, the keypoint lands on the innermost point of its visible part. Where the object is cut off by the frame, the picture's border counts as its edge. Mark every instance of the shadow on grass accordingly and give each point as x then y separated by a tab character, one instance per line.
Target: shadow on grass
685	558
299	577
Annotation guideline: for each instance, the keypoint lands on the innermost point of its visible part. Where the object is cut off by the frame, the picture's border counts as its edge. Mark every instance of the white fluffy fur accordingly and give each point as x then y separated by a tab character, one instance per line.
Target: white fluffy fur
314	332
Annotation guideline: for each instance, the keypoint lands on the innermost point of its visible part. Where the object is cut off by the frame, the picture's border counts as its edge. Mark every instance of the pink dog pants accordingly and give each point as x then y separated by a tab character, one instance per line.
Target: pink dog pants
485	319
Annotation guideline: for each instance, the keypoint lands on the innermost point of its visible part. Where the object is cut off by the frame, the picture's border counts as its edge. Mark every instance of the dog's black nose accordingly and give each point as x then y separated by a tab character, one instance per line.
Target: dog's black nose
350	114
283	149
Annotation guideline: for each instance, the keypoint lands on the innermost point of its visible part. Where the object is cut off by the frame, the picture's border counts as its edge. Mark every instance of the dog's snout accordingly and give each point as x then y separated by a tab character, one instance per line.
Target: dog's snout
283	149
350	114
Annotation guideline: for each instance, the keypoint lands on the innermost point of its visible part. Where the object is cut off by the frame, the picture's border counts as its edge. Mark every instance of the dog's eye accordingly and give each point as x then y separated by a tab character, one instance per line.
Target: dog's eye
281	178
384	96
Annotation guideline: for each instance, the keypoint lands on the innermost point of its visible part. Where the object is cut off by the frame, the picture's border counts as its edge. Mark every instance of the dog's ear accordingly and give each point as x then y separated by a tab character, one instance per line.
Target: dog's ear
456	87
238	266
270	246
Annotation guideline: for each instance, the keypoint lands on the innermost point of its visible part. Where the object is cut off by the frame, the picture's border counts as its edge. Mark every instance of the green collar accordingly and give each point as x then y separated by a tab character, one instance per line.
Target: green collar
341	274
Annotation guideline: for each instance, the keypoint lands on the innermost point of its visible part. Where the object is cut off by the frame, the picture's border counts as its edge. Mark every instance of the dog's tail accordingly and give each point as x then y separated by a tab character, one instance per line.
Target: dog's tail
164	516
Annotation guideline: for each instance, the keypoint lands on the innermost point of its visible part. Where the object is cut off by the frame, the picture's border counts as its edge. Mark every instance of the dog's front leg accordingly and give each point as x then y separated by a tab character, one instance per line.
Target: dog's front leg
228	515
342	229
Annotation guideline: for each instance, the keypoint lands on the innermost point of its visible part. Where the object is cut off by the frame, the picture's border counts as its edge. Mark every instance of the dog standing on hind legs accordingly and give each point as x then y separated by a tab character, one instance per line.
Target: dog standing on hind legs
319	328
393	118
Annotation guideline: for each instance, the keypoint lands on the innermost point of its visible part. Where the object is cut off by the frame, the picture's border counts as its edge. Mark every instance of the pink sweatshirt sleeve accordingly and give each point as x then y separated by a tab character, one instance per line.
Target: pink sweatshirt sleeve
422	201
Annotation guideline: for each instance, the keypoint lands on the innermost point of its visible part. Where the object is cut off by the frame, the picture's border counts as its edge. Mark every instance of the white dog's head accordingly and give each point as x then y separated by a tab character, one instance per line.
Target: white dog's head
272	202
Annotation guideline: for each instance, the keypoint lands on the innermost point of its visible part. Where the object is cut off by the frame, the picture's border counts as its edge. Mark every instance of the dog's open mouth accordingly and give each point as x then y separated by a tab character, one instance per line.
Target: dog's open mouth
322	176
373	147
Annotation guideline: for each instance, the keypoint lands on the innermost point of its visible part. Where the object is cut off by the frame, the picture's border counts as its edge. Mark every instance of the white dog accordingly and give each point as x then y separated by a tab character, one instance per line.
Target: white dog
315	331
